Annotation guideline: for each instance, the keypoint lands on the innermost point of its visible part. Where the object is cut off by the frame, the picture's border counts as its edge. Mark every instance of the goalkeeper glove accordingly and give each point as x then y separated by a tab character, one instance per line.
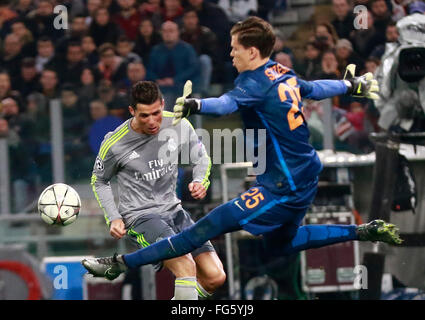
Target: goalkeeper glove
184	107
364	86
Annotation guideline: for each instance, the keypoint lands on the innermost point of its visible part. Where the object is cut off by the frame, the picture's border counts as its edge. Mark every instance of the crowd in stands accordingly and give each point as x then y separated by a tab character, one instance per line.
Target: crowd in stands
111	44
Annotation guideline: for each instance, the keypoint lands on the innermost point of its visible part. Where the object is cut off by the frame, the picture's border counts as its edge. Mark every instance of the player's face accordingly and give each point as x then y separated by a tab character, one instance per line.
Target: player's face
148	118
241	56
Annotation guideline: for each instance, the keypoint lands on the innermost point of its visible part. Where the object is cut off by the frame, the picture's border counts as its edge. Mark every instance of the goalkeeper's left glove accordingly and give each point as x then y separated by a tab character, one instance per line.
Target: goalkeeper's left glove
185	107
364	86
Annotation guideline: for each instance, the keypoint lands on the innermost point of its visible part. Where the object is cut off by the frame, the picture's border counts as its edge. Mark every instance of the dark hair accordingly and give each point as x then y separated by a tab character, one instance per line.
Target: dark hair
123	38
392	24
145	92
255	32
45	39
74	43
105	47
190	9
373	59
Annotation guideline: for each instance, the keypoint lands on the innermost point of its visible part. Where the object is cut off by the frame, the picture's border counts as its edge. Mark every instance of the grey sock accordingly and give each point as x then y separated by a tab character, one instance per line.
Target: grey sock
185	289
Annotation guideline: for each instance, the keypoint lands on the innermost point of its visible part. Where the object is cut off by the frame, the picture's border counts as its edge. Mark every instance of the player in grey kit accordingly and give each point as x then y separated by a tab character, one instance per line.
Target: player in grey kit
142	154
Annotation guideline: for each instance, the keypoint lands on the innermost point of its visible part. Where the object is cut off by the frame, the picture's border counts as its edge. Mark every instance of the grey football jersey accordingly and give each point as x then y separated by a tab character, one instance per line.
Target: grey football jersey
146	167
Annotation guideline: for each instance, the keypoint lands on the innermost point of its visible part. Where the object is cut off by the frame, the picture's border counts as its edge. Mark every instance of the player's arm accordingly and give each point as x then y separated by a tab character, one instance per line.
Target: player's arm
200	162
103	171
185	106
364	86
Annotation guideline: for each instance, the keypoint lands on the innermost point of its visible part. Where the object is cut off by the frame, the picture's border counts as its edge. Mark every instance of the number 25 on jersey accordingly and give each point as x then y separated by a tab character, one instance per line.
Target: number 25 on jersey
288	90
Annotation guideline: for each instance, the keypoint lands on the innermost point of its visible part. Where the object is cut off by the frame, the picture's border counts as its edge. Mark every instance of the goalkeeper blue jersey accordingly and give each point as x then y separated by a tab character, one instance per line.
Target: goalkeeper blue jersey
270	98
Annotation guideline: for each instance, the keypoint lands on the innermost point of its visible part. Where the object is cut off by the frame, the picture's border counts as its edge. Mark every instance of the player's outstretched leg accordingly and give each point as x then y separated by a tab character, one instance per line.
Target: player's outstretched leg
109	267
225	218
317	236
379	230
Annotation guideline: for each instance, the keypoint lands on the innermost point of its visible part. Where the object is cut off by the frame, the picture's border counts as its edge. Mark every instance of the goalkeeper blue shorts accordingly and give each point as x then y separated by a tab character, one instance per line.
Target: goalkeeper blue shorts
260	211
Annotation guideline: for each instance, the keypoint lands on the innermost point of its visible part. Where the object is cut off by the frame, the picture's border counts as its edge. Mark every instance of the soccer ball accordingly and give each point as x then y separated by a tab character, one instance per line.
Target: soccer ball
59	204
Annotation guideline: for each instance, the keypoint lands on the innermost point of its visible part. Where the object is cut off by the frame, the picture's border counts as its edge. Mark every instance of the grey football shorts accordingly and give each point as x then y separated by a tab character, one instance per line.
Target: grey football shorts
149	229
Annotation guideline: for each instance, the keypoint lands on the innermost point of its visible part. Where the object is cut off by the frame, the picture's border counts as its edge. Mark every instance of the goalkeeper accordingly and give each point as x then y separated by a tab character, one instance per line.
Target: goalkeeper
268	96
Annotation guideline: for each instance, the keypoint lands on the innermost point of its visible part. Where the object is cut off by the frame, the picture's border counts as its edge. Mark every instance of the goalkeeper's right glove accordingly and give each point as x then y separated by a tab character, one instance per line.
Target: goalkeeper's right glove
184	106
364	86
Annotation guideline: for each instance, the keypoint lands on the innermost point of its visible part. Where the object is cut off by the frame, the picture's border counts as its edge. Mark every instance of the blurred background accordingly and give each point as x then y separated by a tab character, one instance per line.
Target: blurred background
65	79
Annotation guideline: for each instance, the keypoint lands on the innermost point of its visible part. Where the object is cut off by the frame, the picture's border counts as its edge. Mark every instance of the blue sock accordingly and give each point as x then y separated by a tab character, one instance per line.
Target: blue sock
316	236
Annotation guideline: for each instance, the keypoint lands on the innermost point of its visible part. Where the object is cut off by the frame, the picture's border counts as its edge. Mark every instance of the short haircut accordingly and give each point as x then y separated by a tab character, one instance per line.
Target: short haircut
255	32
105	47
123	38
145	92
45	39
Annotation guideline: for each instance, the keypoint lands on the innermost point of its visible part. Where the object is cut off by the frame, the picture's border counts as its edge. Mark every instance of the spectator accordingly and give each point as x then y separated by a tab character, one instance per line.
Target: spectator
284	59
20	156
204	41
310	66
399	10
23	7
102	123
381	15
212	16
28	80
346	55
110	67
116	102
19	28
279	45
75	133
128	19
391	36
49	84
365	40
172	63
43	17
70	68
135	72
371	64
106	92
119	106
147	38
45	53
91	8
313	113
6	87
124	50
151	10
87	87
238	10
325	34
74	7
6	15
12	54
358	141
78	29
102	29
344	18
172	11
90	50
329	66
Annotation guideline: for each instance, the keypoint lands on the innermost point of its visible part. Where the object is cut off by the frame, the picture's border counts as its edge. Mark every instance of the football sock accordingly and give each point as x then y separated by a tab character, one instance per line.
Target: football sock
202	293
185	289
316	236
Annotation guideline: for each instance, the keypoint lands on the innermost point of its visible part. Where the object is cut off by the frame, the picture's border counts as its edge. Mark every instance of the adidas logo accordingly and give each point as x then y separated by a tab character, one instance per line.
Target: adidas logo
134	155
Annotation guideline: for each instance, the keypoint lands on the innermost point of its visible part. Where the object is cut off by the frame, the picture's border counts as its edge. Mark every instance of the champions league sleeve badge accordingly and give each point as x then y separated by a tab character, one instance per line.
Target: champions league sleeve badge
99	164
